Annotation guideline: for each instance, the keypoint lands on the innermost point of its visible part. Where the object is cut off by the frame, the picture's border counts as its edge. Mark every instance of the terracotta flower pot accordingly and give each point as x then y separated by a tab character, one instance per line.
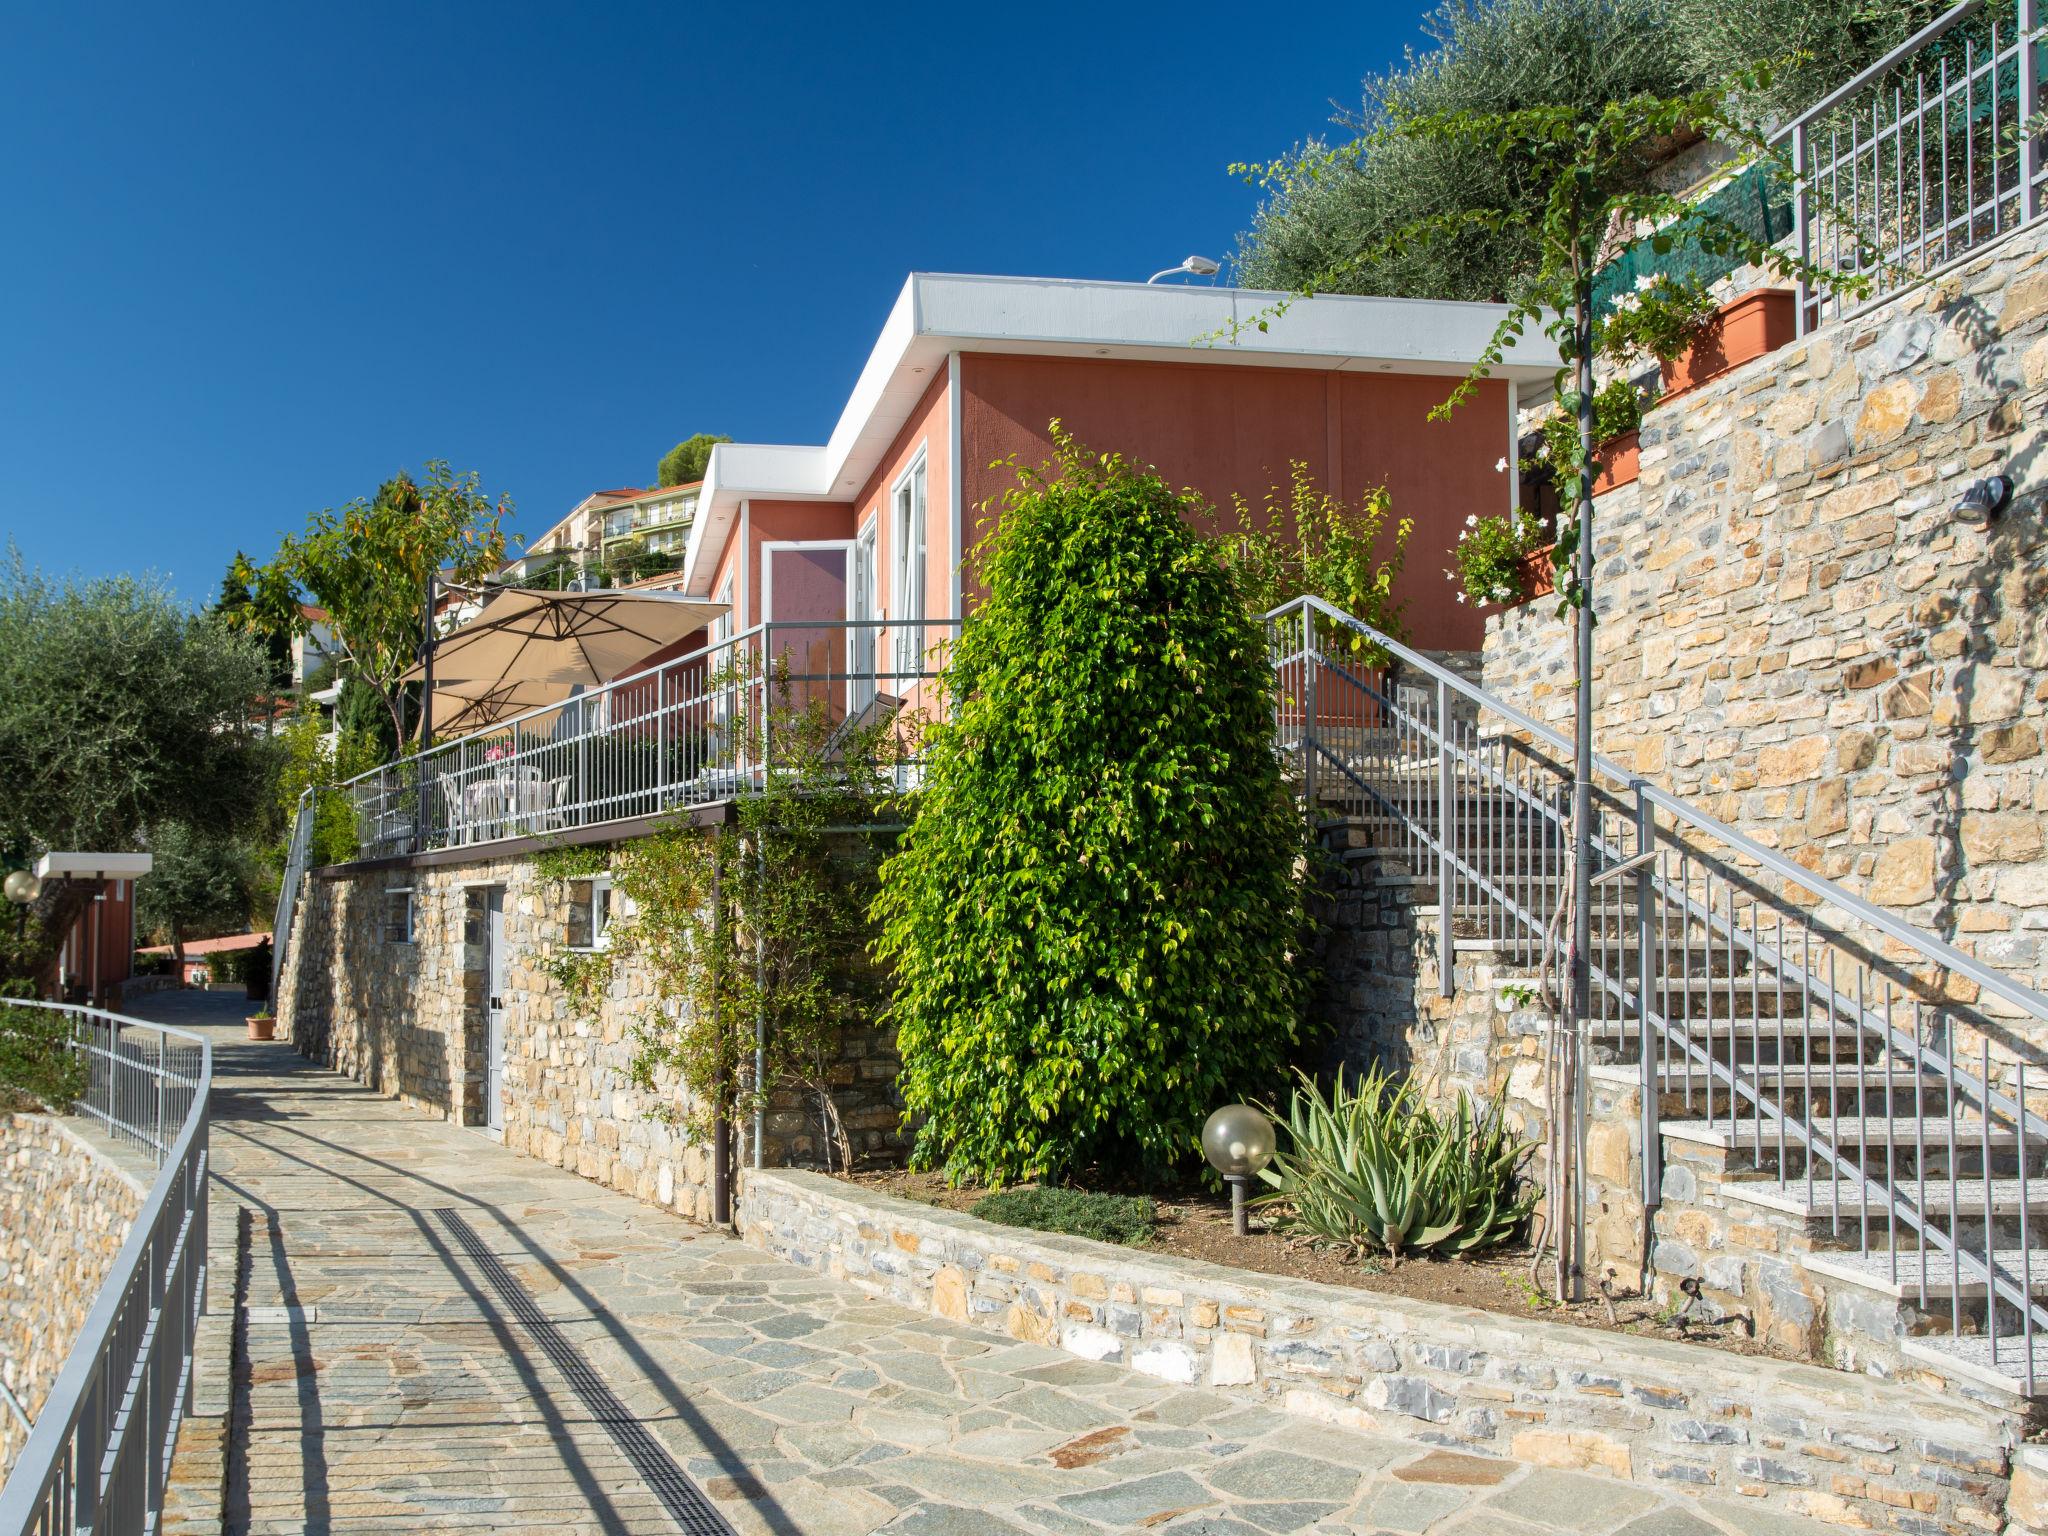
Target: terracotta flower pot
262	1026
1539	577
1617	461
1760	321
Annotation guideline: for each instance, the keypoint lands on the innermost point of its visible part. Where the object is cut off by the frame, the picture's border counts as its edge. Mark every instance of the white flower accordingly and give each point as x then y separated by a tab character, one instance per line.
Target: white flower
1500	465
1472	518
1461	597
1645	283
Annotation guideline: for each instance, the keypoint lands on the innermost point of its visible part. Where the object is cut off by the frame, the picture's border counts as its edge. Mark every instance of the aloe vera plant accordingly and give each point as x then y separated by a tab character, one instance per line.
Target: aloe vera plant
1370	1166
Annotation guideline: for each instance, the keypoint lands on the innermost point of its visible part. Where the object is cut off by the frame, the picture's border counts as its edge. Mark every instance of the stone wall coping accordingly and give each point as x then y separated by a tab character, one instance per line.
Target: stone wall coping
1755	1377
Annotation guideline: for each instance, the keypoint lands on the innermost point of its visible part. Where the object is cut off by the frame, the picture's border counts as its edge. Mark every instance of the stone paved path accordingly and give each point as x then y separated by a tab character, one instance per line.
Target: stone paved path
443	1335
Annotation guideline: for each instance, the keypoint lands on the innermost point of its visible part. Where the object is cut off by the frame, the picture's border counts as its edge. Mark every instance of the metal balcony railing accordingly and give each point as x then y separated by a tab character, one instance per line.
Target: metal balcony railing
98	1455
1831	1047
1930	153
693	731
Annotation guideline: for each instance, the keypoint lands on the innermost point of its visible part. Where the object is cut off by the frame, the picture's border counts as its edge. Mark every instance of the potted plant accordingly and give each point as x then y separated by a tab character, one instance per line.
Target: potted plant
263	1025
1618	408
1502	559
1759	321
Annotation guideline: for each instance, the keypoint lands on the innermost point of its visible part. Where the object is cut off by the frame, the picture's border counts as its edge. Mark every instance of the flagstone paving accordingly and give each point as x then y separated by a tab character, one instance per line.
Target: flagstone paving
443	1335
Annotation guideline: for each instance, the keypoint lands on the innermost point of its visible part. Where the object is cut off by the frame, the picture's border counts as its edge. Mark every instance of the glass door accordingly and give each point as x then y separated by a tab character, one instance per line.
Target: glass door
861	685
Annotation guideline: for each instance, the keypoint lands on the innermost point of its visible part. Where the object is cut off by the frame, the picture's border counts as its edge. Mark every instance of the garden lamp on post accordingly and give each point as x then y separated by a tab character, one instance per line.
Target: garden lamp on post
22	887
1238	1141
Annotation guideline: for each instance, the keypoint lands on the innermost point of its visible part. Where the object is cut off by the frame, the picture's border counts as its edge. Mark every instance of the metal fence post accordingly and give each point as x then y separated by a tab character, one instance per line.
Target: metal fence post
1802	227
1647	1070
1308	717
2030	85
1446	821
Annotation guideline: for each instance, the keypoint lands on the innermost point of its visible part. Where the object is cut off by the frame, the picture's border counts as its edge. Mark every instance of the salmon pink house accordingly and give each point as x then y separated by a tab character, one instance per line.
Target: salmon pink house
970	372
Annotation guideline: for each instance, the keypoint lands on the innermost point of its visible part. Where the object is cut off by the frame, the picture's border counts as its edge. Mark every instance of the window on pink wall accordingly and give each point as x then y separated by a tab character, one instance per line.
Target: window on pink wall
804	600
907	534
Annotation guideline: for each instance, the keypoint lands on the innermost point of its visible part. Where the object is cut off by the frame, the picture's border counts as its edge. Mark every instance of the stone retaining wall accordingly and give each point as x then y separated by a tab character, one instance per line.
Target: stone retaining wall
65	1211
408	1019
1797	633
1844	1449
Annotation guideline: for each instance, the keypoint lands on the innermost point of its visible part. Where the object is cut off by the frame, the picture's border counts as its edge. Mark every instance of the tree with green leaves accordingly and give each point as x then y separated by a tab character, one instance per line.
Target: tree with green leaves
120	710
202	884
685	463
369	564
1584	171
1095	921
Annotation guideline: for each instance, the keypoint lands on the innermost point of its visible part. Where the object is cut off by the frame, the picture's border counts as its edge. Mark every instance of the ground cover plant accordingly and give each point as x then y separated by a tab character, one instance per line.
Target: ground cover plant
1126	1219
1095	920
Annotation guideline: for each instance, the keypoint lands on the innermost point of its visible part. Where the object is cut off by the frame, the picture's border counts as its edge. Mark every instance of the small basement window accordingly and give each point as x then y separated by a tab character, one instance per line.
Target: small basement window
590	912
398	914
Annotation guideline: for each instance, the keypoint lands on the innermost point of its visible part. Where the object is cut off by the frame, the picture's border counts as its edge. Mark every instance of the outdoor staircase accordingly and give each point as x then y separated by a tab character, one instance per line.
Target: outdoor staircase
1831	1097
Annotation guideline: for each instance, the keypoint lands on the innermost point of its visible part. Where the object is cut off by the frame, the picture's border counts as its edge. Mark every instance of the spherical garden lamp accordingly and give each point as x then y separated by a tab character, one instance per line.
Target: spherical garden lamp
1238	1141
22	887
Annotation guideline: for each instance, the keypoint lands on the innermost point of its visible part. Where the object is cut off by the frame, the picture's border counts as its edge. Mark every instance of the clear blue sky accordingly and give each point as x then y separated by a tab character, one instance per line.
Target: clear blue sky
261	257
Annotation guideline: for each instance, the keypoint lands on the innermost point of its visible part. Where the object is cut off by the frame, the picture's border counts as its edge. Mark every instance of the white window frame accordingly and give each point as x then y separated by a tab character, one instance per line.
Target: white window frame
604	908
910	503
410	927
864	614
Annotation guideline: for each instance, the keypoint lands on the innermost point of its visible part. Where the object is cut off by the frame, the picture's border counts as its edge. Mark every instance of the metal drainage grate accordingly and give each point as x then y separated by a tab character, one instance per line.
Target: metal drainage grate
684	1500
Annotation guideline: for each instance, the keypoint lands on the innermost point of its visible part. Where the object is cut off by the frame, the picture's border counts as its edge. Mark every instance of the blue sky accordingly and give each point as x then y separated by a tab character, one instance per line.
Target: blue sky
261	257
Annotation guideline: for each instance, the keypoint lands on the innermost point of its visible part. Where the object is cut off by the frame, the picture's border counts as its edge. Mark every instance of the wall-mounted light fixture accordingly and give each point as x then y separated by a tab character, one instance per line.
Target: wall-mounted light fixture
1984	499
1193	266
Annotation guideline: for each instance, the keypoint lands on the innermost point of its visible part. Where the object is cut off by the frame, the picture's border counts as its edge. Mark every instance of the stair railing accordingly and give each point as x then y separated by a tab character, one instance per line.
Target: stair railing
1724	934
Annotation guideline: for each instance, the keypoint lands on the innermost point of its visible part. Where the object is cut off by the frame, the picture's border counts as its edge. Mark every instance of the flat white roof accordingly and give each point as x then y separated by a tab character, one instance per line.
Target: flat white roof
940	313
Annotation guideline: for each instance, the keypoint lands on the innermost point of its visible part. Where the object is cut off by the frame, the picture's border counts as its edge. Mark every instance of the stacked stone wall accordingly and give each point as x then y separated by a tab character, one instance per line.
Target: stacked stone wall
409	1020
1864	1454
65	1211
1799	635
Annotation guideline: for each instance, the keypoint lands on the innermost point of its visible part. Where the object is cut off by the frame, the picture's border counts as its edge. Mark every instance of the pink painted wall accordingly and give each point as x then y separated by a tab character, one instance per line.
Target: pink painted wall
929	428
1222	429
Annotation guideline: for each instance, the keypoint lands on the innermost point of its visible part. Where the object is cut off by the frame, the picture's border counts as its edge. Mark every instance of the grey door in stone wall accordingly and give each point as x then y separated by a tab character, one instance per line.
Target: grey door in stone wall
494	1008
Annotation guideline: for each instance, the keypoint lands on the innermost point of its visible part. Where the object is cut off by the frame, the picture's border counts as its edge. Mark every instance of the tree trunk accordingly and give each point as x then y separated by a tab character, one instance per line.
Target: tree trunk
1572	1218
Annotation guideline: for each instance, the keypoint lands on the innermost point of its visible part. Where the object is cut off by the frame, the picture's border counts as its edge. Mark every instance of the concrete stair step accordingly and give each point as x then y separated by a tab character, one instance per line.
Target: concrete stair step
1903	1131
2001	1364
1829	1202
1898	1275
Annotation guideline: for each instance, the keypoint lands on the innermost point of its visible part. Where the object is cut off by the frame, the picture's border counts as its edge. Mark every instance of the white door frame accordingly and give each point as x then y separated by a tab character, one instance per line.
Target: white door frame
768	570
495	971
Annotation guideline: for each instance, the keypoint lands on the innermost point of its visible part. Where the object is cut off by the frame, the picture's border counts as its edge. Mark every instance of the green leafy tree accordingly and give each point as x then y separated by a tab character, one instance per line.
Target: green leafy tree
685	463
1331	208
201	884
37	1064
305	761
1307	541
1095	920
119	710
368	566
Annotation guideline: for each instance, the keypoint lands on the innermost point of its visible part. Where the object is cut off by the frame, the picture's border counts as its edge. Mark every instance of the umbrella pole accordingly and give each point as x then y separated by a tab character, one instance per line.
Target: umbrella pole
423	822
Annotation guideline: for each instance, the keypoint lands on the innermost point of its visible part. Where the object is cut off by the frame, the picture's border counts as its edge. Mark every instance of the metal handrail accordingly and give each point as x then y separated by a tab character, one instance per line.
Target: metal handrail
98	1458
692	731
1926	944
1945	22
1384	746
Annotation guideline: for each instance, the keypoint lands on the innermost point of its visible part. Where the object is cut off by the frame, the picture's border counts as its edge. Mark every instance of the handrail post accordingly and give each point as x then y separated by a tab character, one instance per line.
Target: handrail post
1802	229
1308	716
1647	1068
1447	944
2030	84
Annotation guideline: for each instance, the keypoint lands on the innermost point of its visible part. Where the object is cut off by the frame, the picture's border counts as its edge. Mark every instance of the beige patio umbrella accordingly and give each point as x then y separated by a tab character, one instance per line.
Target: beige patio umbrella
529	648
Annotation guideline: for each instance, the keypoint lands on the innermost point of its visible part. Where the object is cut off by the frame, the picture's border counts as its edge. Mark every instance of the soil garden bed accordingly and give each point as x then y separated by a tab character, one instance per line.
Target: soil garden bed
1194	1224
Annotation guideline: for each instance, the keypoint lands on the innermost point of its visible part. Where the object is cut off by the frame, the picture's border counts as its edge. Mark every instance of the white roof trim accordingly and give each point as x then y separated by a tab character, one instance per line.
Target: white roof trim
940	313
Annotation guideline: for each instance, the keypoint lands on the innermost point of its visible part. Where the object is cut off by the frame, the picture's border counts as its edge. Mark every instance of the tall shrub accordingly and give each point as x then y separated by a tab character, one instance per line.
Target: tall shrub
1095	919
